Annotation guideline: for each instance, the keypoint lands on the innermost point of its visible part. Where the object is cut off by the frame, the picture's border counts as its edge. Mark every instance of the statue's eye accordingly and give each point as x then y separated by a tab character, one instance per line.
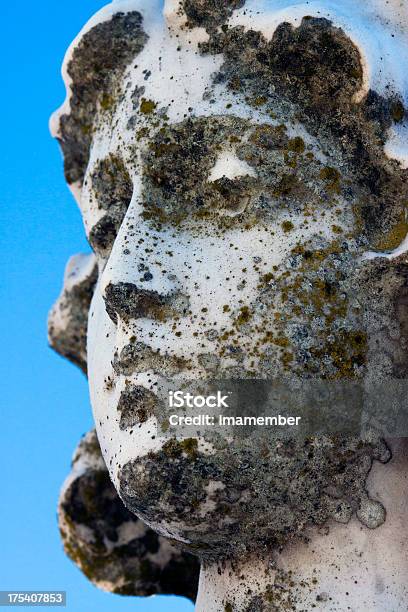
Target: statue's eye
193	171
230	197
112	189
230	183
102	236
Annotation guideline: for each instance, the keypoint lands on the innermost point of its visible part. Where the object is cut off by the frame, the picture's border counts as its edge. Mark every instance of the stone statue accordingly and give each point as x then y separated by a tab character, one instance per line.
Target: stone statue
241	168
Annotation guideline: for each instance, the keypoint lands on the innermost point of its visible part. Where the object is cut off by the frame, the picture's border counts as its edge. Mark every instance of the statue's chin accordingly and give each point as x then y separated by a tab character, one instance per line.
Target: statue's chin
250	494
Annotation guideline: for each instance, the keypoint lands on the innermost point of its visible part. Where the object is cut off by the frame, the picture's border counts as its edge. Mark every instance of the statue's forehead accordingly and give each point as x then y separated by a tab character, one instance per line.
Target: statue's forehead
143	58
171	81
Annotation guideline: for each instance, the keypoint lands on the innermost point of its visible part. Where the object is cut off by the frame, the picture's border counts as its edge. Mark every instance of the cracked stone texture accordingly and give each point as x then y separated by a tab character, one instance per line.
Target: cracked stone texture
116	551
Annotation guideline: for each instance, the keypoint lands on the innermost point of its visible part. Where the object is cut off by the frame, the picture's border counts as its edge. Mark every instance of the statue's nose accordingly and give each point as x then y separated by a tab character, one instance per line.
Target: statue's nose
138	280
129	301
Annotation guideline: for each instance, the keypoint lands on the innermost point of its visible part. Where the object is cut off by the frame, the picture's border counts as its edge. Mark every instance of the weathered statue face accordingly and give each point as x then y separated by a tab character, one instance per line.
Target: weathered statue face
232	179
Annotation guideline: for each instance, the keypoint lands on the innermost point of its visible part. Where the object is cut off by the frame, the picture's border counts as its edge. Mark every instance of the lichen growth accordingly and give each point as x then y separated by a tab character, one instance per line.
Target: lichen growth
282	492
209	13
68	320
111	546
97	63
111	191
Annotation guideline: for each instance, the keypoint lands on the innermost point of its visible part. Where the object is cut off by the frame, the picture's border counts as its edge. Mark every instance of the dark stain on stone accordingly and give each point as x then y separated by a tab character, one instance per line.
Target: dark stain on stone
91	502
74	304
97	63
112	191
312	72
276	496
136	405
209	14
132	302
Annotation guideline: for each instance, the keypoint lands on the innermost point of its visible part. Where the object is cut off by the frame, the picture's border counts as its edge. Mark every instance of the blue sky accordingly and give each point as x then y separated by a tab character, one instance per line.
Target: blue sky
44	400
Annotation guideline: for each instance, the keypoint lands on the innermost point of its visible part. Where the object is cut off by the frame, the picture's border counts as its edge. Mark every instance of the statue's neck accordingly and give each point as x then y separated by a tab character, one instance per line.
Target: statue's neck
235	585
341	566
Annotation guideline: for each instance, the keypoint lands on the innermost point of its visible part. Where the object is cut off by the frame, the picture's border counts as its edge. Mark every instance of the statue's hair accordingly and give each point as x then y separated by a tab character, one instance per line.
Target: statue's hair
97	61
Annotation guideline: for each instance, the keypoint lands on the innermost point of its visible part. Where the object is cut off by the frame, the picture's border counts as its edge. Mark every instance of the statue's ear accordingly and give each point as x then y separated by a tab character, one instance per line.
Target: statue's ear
94	66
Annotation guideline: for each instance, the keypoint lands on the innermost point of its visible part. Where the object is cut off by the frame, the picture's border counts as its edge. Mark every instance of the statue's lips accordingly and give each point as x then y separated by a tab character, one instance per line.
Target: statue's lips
136	404
138	357
132	302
